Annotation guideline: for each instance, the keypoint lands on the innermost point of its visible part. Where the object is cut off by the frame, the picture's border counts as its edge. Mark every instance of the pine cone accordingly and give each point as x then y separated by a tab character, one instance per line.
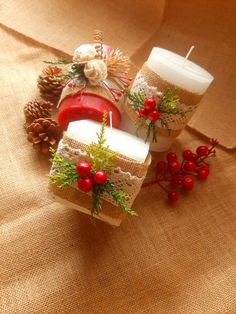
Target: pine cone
44	133
49	86
35	109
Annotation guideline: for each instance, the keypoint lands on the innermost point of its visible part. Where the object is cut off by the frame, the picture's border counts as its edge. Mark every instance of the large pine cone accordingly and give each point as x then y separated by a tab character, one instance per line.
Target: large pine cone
44	133
49	85
36	109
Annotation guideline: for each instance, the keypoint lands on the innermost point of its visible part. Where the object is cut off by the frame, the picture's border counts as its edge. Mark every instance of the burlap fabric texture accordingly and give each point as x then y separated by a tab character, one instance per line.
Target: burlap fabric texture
171	259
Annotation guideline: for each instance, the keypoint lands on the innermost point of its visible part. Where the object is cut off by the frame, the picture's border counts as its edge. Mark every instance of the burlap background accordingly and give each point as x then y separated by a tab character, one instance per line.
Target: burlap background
137	26
177	259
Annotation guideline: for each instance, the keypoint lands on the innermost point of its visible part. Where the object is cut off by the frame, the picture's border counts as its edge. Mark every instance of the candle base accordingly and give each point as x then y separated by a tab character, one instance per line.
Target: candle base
161	145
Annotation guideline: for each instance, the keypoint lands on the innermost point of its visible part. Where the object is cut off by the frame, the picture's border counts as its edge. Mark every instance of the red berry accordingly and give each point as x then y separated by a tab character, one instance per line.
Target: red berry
174	166
187	154
83	168
175	180
187	183
153	116
150	104
173	196
85	184
142	112
161	166
171	156
203	173
195	157
189	165
99	177
202	150
71	85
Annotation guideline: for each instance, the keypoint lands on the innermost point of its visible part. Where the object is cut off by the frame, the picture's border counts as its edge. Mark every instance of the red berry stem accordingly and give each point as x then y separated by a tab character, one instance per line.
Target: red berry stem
162	187
150	183
181	174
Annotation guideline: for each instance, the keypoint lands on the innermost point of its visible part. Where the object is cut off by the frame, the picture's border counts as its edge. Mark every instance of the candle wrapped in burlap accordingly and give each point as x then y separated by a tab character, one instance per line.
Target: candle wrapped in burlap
166	71
127	176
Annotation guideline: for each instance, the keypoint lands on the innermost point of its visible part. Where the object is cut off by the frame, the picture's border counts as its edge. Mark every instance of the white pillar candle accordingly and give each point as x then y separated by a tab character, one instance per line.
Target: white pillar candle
178	71
85	131
175	70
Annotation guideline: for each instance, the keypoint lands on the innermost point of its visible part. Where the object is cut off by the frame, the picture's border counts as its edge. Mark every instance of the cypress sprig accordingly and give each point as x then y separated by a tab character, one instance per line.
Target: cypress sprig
76	71
136	99
99	155
65	172
59	61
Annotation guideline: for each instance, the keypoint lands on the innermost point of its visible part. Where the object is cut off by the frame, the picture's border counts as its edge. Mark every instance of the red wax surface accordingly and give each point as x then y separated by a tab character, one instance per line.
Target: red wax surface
86	106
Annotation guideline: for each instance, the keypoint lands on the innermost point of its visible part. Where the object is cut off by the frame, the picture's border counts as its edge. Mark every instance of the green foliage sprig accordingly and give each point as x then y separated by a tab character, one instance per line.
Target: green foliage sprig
136	99
100	158
65	172
98	154
76	71
167	104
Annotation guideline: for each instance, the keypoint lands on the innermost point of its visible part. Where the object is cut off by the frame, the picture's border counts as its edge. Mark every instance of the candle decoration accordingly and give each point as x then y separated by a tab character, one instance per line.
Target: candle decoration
166	71
93	178
147	111
94	82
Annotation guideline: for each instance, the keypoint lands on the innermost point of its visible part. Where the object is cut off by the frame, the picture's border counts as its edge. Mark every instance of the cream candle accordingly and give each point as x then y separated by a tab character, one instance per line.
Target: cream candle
122	142
178	71
165	69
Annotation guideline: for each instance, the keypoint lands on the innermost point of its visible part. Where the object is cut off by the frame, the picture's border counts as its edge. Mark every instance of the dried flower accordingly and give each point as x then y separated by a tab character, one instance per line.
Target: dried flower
95	71
84	52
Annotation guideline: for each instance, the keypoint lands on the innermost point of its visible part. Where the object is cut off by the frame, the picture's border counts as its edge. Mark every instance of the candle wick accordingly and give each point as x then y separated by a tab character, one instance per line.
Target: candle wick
188	54
110	116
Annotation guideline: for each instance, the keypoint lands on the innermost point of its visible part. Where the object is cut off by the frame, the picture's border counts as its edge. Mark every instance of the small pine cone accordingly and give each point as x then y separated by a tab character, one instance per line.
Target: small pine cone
35	109
44	133
49	86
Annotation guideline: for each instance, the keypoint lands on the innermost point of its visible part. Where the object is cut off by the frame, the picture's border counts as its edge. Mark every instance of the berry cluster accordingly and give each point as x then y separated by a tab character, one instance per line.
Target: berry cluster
87	178
181	174
149	109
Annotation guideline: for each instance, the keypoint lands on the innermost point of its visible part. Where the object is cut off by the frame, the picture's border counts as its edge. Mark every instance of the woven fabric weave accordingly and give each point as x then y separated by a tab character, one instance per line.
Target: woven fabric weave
171	259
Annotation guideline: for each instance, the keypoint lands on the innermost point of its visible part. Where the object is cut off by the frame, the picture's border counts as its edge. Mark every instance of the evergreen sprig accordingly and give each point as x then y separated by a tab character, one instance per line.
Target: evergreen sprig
168	104
59	61
98	154
136	99
119	197
76	71
65	172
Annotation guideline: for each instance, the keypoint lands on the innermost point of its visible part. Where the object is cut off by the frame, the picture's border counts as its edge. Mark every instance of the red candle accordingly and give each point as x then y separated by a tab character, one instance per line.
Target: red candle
87	105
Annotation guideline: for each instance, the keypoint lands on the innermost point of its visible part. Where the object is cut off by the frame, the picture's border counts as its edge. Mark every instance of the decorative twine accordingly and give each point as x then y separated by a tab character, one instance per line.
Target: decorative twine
94	90
98	42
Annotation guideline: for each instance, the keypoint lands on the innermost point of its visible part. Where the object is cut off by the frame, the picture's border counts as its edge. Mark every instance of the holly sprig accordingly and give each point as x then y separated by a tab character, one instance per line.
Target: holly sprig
101	159
166	103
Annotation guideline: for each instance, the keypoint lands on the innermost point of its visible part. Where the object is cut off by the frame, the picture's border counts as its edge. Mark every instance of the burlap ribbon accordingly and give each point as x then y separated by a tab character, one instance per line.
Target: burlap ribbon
94	90
187	98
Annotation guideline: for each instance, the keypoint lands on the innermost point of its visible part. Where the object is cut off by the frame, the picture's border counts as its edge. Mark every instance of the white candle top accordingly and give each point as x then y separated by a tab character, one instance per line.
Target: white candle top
178	71
119	141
